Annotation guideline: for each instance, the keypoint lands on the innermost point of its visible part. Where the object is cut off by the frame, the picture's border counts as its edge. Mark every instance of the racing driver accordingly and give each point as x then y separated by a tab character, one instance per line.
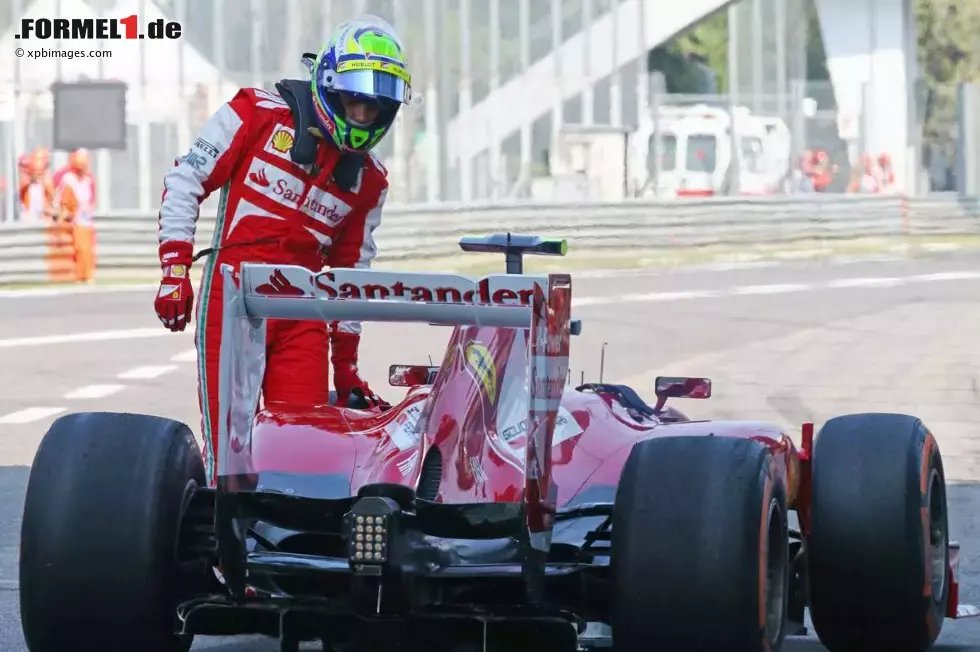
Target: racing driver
298	186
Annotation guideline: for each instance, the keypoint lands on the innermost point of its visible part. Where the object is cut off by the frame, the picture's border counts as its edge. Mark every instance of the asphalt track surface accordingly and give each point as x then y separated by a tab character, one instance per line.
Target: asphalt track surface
786	342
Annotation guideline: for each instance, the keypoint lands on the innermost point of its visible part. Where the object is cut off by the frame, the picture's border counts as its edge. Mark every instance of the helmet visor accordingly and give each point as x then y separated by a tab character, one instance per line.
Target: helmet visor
383	80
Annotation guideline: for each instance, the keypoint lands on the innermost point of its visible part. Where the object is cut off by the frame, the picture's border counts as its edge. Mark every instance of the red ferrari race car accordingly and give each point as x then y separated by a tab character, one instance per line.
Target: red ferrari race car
496	507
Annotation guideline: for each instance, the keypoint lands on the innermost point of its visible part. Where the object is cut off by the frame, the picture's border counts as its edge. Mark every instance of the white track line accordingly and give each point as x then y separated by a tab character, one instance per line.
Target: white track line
731	267
668	270
866	283
97	336
581	302
186	356
30	293
771	289
776	288
663	296
946	276
147	373
30	415
94	391
845	260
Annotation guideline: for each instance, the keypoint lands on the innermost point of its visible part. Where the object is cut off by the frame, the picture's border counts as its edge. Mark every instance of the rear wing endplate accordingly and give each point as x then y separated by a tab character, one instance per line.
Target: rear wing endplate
260	292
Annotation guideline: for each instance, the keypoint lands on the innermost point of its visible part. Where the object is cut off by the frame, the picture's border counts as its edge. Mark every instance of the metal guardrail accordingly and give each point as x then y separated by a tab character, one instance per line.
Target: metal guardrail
128	241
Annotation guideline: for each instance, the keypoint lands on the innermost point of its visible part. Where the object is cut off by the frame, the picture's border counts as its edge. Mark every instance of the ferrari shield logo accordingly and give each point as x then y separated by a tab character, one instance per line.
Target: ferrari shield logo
478	359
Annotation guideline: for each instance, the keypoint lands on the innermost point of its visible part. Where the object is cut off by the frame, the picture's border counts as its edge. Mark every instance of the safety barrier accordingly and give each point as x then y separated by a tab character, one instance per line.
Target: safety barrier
39	253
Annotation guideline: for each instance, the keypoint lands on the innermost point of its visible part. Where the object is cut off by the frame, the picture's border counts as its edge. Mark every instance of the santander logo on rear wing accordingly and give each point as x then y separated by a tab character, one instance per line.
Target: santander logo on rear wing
285	292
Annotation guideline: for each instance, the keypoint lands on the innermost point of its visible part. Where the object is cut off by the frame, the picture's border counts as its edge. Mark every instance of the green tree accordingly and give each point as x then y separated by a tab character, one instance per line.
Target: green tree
816	55
705	43
949	54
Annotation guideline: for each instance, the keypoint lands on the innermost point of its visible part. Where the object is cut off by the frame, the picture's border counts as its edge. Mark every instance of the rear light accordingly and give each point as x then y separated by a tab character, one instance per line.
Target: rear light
370	524
370	539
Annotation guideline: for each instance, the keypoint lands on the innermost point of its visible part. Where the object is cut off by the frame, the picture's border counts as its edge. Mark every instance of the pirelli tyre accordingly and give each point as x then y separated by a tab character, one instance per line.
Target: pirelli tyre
98	565
700	553
878	551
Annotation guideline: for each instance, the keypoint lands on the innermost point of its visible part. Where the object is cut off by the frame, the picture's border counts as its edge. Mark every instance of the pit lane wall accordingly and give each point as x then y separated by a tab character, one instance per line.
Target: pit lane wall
127	242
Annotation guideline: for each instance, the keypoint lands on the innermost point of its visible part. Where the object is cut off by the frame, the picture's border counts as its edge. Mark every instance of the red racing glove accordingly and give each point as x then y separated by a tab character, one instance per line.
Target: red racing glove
345	377
175	300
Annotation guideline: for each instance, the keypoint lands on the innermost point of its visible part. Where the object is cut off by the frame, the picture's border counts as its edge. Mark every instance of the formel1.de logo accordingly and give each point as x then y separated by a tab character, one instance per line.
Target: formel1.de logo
97	28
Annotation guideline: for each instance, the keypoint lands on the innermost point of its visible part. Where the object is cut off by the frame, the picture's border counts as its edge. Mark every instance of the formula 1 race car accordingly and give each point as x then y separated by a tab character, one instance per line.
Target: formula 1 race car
495	507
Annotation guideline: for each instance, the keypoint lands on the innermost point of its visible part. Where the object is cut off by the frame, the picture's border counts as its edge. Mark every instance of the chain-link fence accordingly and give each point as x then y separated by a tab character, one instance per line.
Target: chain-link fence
795	142
684	145
459	52
789	135
729	144
476	133
767	52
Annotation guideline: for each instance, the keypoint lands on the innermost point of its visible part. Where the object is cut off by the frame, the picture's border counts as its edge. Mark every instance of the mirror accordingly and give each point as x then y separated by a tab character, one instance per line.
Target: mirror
406	375
681	387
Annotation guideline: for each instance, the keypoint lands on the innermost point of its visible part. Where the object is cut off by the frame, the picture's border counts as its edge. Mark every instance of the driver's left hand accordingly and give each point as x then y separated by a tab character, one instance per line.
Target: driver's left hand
365	399
353	391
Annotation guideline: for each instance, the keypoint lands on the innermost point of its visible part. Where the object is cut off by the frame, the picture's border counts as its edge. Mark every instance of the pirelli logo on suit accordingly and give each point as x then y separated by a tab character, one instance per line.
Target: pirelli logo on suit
204	146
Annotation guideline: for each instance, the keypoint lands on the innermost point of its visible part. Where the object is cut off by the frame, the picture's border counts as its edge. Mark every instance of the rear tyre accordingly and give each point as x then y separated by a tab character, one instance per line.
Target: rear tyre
700	555
878	551
101	522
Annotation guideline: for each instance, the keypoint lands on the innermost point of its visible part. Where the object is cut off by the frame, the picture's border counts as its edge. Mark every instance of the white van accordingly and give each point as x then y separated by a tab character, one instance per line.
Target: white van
696	152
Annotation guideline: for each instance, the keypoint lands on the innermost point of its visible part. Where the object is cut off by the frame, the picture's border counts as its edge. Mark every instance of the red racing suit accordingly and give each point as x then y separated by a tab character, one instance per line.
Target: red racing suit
271	210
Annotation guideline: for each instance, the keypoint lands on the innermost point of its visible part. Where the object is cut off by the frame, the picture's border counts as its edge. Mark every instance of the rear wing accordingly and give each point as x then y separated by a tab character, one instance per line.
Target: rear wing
290	292
261	292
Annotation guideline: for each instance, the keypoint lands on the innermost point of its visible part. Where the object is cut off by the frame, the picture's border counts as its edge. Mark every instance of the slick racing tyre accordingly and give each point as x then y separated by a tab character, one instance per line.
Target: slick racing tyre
878	550
700	557
98	566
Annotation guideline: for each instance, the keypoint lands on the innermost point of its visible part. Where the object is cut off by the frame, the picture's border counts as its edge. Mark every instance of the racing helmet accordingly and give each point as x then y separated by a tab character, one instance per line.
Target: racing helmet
363	60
